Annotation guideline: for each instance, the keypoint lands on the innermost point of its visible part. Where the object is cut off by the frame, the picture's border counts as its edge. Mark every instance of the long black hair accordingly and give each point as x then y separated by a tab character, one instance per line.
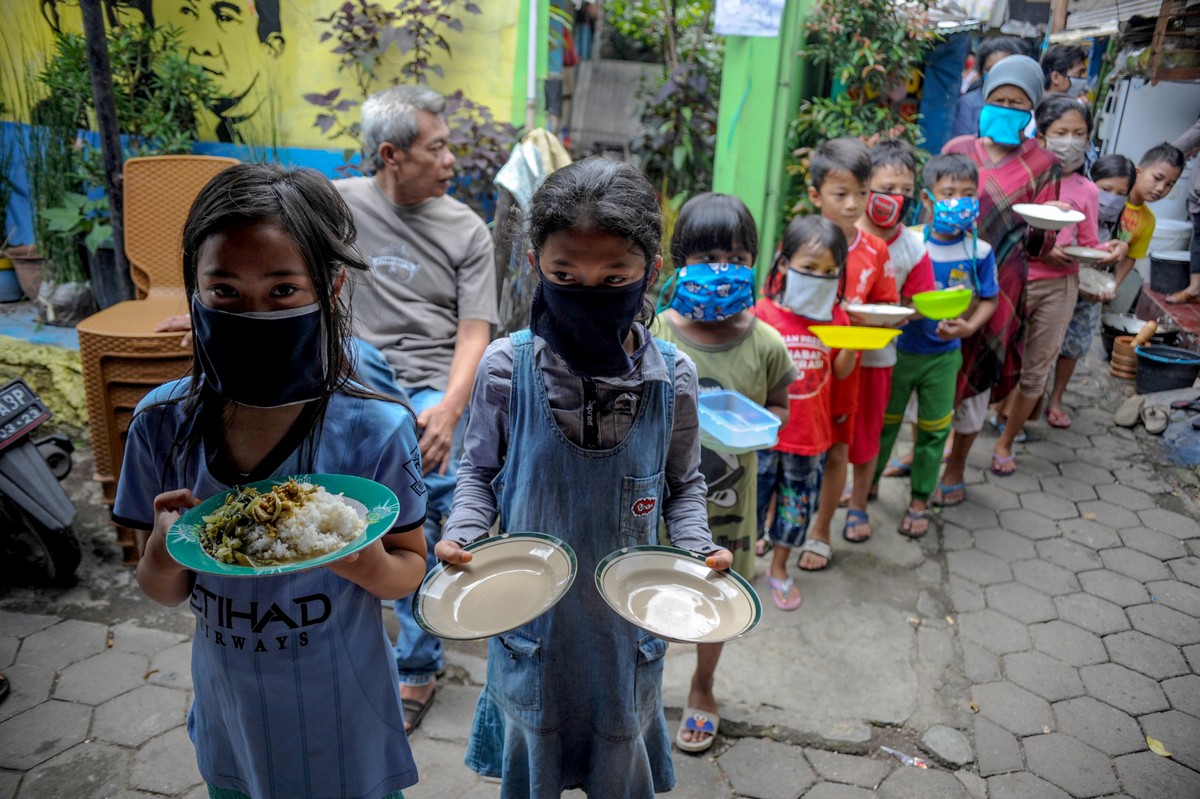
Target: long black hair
306	206
599	194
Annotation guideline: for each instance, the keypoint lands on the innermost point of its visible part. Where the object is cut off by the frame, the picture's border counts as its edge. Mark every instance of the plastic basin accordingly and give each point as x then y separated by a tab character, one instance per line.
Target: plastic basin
730	422
943	303
843	337
1162	368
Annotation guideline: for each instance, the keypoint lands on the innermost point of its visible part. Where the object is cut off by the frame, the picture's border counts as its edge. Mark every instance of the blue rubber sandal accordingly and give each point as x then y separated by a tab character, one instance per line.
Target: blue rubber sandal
854	518
943	490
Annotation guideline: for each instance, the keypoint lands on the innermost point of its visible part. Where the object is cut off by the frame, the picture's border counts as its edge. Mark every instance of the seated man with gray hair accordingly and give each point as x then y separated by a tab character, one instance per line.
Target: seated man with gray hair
427	304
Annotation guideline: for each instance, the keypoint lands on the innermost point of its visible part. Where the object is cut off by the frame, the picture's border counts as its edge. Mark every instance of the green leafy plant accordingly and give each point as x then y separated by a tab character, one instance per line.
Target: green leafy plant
871	51
80	218
678	110
365	34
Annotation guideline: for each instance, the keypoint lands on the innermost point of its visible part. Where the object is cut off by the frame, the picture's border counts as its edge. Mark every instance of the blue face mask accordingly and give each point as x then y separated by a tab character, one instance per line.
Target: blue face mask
954	217
1005	125
713	292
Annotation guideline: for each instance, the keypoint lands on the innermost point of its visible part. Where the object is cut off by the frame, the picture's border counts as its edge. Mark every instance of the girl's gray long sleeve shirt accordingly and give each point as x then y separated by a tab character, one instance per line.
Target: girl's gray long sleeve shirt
487	436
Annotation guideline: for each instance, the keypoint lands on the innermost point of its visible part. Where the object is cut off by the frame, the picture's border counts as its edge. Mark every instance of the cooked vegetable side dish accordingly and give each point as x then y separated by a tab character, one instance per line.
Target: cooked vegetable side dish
294	521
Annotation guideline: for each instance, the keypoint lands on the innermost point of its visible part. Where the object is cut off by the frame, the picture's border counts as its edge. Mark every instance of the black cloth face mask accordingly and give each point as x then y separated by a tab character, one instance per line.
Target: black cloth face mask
587	326
230	347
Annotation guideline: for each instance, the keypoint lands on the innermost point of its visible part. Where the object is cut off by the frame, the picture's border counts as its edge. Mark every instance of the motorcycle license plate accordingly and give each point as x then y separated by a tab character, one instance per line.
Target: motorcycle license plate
20	411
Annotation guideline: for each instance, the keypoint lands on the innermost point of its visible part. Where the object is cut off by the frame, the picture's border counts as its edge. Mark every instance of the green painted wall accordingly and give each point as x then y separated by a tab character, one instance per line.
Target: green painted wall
762	83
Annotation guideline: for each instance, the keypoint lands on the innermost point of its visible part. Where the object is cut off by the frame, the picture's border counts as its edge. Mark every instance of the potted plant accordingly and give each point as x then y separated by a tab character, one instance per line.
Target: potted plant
157	94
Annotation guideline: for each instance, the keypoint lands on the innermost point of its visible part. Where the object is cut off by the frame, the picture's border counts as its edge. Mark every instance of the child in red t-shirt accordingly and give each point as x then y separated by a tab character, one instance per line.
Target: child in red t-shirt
840	170
802	290
892	187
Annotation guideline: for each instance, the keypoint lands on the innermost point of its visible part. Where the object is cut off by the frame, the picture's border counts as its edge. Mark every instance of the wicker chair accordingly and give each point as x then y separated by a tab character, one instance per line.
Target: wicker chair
123	358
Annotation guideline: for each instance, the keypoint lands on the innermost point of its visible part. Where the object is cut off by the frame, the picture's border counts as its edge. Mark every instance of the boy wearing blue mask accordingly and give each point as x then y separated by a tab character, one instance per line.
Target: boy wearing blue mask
929	352
710	318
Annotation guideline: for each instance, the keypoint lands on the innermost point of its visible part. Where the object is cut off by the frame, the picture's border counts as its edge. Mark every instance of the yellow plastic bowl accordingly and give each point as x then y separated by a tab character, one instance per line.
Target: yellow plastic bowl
844	337
942	304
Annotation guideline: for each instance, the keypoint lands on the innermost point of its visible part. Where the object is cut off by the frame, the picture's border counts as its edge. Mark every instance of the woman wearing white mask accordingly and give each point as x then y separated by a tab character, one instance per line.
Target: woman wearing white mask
1052	289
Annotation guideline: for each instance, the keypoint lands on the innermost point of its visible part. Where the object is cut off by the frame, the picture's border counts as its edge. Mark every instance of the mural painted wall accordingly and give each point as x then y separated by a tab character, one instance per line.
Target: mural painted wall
265	55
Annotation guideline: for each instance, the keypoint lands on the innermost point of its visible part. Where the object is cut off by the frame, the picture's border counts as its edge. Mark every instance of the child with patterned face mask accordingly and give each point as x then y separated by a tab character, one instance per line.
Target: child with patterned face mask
802	289
1113	176
586	427
1053	281
711	318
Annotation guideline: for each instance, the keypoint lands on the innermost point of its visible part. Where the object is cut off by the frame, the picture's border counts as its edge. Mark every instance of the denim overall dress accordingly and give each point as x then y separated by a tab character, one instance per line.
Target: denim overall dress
574	698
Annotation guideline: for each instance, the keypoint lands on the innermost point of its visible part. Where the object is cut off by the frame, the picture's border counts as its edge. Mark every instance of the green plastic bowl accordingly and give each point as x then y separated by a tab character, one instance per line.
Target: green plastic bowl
942	304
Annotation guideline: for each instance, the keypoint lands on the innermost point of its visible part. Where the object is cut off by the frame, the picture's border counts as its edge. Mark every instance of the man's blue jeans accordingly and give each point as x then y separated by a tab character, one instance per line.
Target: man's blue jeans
418	654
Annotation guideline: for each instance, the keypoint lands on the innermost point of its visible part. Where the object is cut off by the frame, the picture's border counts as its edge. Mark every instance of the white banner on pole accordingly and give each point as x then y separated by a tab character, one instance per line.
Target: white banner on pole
748	17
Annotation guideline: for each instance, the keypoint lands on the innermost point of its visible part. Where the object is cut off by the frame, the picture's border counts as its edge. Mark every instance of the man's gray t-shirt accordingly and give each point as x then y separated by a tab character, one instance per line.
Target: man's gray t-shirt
432	264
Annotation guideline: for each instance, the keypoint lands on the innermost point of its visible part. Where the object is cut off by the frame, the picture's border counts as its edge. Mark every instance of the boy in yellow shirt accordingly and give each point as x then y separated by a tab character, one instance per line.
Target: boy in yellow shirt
1157	172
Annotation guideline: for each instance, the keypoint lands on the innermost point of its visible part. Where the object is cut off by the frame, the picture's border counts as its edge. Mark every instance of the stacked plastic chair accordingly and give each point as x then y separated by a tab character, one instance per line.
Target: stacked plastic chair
123	358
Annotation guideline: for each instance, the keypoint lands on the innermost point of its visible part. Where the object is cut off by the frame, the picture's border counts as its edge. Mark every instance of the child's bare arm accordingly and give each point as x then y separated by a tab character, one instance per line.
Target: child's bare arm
777	403
390	568
844	363
159	575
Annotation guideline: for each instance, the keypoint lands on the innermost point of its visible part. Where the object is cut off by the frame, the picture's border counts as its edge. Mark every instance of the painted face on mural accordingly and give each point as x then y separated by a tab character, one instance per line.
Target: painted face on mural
64	15
230	39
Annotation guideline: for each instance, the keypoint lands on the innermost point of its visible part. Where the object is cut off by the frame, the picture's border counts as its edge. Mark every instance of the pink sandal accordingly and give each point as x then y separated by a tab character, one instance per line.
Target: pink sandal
781	592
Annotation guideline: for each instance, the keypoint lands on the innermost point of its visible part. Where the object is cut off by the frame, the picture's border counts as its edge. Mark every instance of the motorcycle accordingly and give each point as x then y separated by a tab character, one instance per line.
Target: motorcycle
37	541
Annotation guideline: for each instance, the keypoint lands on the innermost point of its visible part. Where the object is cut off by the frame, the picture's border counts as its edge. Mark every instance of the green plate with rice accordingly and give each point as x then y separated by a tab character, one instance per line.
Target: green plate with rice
334	515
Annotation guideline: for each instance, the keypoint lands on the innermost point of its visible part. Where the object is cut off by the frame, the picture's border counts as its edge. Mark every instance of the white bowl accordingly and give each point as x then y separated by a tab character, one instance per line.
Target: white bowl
1047	217
880	315
1093	281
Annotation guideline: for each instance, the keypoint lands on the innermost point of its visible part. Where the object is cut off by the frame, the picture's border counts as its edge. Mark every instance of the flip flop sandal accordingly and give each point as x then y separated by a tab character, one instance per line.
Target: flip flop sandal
1057	419
781	592
1181	298
415	710
1021	438
1000	461
818	548
1155	418
897	468
1187	405
763	545
943	490
697	720
854	518
912	516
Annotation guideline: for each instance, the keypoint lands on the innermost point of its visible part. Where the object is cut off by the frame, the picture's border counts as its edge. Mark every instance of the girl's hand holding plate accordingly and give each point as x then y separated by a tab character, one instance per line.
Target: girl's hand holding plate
719	560
1117	250
451	552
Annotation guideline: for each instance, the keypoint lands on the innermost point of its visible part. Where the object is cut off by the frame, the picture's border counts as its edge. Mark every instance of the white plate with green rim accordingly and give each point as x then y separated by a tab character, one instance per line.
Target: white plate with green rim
511	580
373	502
673	594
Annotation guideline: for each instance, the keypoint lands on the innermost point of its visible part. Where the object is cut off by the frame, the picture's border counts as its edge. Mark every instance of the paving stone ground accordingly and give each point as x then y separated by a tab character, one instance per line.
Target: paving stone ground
1026	649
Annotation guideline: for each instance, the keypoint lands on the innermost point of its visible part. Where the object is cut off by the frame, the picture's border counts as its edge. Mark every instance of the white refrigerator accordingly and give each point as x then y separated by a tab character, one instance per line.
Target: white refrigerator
1138	115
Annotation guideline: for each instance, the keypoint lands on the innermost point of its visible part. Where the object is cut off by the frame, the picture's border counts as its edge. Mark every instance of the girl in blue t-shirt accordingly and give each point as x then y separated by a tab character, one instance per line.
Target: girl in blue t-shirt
296	691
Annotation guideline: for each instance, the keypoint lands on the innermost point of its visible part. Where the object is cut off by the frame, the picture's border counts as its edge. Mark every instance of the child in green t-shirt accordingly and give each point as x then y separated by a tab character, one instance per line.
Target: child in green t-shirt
710	318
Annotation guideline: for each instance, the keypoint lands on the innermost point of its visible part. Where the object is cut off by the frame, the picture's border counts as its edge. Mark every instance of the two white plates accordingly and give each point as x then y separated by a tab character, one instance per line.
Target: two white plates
514	578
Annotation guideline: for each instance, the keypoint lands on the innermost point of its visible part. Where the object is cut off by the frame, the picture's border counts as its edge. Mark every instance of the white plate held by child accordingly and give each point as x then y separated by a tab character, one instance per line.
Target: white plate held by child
675	595
511	580
1047	217
1094	282
879	315
1087	255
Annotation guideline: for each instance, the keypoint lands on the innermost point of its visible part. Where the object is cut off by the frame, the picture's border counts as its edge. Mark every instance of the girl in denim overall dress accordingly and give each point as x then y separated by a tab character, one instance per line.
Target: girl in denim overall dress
586	428
296	691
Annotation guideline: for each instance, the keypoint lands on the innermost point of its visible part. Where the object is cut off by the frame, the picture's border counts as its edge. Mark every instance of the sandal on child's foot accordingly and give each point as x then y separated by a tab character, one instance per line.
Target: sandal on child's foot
854	519
915	523
784	593
897	468
763	545
697	722
1057	417
947	496
815	547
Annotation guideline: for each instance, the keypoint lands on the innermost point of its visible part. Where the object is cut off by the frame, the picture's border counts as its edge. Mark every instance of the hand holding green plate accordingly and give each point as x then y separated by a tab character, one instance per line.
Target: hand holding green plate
374	502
